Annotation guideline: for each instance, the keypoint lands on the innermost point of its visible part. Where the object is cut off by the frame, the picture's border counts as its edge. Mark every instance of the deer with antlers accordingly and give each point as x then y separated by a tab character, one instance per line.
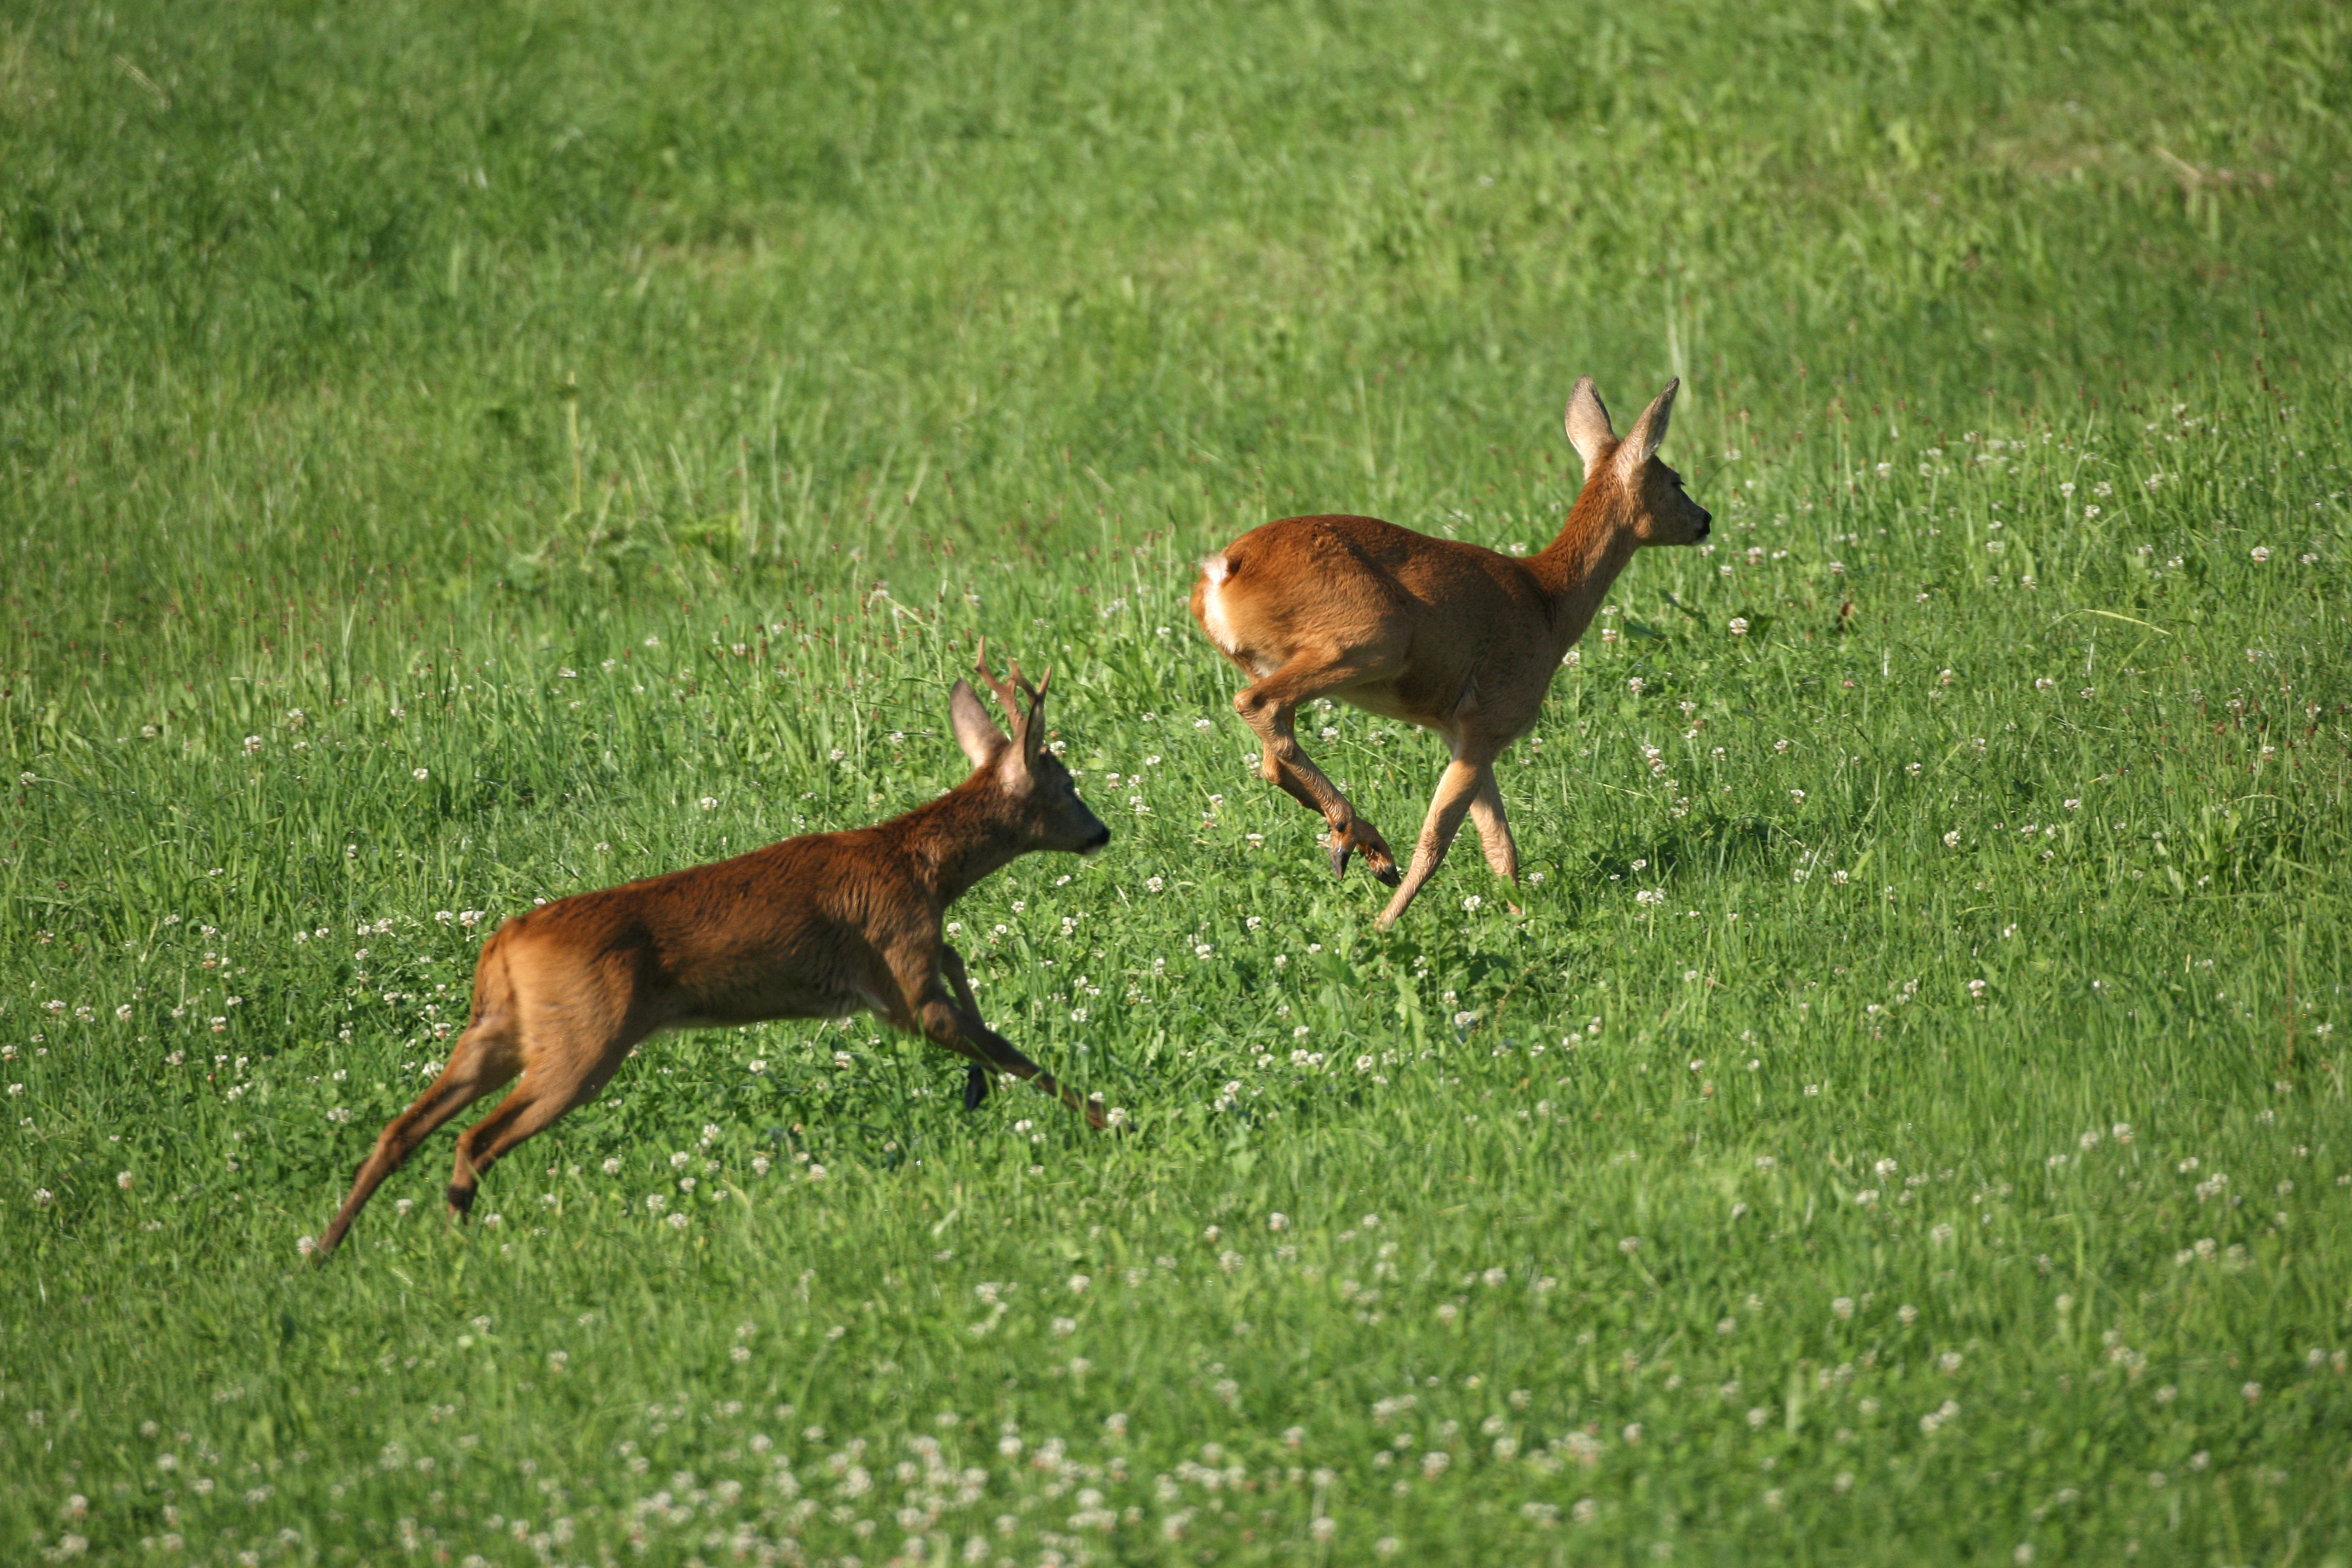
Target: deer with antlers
816	927
1446	636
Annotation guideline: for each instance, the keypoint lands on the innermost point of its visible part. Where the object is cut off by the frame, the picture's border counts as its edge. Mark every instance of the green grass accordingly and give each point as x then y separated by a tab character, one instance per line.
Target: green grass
456	456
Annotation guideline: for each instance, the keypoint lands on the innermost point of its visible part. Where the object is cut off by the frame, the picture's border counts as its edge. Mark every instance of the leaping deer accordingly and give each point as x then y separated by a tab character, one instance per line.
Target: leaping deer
816	927
1442	634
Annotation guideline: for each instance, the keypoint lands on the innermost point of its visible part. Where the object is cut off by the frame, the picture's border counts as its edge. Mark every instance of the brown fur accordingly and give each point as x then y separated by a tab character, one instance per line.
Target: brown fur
1442	634
816	927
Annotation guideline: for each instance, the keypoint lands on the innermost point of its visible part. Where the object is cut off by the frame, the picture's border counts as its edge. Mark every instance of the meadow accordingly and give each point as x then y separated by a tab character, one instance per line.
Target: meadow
452	457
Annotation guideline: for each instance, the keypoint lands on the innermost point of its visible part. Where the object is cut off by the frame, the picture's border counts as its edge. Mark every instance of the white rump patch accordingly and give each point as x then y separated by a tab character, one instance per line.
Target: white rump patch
1212	602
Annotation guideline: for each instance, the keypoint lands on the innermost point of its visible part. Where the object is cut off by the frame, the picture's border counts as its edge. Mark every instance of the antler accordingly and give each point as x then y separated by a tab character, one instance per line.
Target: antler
1026	730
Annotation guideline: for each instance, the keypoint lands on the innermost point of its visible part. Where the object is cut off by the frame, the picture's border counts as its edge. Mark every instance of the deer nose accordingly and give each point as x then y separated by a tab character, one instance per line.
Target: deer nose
1705	521
1101	838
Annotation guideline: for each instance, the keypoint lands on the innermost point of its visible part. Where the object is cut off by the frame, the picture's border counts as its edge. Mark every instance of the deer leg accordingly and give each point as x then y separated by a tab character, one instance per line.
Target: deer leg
479	1064
535	1104
1270	769
975	1078
910	996
566	1054
1494	829
940	1021
1447	809
1269	707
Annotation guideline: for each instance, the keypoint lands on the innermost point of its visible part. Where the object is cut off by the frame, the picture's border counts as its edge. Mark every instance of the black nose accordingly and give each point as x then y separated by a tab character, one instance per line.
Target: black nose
1096	842
1705	521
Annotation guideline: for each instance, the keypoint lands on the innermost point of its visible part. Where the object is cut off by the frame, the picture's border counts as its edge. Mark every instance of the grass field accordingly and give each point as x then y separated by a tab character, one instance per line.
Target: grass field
456	456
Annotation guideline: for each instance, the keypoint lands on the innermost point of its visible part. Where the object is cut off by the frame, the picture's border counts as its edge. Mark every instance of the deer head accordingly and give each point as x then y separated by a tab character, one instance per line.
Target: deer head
1648	494
1046	810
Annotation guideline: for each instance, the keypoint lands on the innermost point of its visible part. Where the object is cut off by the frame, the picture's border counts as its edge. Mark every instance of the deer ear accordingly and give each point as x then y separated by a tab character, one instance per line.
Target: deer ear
974	731
1587	424
1649	432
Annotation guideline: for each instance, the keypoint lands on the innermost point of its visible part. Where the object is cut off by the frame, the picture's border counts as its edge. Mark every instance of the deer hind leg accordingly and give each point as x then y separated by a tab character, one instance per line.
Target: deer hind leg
1269	706
480	1062
566	1059
1455	791
535	1104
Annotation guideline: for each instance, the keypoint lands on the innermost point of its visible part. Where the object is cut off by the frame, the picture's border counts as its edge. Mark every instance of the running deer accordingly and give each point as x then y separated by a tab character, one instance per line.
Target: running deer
816	927
1446	636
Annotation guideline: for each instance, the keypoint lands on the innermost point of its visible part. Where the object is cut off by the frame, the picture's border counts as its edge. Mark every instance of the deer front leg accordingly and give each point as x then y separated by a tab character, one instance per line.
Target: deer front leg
975	1081
945	1024
1447	809
1494	830
924	1006
1269	707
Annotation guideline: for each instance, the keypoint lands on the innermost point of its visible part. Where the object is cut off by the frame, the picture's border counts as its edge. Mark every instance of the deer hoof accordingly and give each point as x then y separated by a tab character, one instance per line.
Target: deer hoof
1361	834
1095	1119
975	1087
1343	842
460	1200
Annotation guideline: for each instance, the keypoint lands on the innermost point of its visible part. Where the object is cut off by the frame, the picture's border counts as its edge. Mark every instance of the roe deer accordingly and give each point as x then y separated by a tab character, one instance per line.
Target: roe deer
816	927
1446	636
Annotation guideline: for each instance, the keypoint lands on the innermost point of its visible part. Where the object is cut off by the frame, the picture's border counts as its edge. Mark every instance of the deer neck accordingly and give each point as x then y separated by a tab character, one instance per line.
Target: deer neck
1576	569
956	841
